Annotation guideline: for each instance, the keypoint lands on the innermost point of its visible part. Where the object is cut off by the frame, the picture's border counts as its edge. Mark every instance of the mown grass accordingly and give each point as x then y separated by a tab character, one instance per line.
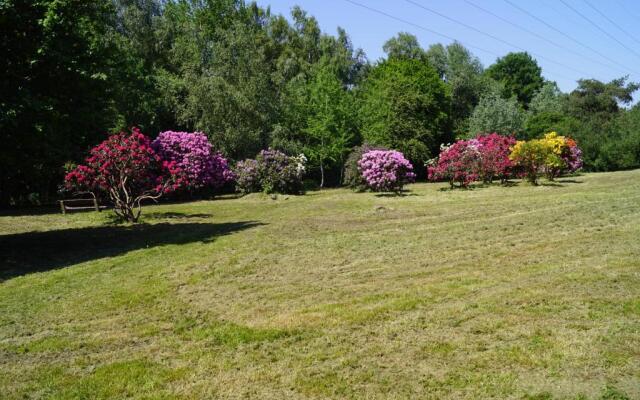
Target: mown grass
497	292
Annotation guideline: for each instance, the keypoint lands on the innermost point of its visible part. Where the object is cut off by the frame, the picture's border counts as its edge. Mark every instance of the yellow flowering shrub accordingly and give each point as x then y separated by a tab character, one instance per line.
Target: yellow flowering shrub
551	154
530	156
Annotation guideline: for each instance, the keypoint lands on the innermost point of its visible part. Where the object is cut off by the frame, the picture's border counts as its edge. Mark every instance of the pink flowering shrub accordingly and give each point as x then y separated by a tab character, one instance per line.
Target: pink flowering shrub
128	171
494	156
459	162
385	170
484	158
192	152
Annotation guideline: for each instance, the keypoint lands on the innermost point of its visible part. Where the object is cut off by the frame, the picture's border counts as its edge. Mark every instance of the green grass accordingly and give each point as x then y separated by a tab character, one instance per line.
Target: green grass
498	292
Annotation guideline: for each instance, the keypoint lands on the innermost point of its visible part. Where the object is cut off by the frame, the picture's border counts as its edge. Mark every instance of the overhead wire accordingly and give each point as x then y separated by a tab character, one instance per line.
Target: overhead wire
552	42
603	15
590	21
380	12
545	23
540	56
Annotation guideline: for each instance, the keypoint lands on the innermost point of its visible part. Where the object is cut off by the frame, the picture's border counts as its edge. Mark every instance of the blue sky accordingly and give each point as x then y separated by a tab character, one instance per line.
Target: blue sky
600	56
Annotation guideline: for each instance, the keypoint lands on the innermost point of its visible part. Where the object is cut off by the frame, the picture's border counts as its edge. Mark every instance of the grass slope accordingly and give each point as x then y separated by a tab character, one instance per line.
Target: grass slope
504	292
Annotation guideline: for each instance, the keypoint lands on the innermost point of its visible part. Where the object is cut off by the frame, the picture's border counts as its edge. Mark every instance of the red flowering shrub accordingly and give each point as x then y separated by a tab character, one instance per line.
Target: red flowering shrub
486	157
494	156
459	162
127	169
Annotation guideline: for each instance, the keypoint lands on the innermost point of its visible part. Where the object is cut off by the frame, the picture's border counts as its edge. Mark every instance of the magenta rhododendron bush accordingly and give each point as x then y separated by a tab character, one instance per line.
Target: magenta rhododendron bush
126	169
459	162
484	158
494	156
385	170
193	154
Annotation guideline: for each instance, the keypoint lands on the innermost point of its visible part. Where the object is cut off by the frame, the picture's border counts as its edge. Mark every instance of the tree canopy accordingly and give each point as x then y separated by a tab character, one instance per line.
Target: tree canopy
403	104
519	74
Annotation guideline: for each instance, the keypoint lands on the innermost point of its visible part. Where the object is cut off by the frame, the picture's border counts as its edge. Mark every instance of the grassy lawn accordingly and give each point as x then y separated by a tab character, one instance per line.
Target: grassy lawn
505	292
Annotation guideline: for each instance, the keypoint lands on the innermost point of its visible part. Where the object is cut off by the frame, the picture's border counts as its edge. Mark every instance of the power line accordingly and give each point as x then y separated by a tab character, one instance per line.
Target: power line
437	33
565	48
611	22
492	36
599	28
633	14
567	36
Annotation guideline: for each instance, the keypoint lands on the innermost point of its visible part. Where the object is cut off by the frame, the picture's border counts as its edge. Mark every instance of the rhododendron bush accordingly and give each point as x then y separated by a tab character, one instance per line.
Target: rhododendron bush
271	172
385	170
128	171
459	162
484	158
193	154
494	156
552	155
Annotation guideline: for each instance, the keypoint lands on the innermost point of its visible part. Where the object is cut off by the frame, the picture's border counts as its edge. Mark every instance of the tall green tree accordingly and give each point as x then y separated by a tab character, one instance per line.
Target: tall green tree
497	114
403	104
547	111
463	72
404	46
519	74
58	92
602	126
330	130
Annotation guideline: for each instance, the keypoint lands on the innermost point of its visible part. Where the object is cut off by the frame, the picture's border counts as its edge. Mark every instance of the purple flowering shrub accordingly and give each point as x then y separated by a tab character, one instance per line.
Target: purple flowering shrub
193	154
247	176
385	170
352	176
271	172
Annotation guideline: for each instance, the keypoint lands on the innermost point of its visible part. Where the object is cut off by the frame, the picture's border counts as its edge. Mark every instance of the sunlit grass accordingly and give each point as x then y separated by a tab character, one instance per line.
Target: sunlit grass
504	292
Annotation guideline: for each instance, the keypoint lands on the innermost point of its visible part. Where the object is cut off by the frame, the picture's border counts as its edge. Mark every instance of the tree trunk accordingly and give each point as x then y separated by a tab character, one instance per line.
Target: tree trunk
321	174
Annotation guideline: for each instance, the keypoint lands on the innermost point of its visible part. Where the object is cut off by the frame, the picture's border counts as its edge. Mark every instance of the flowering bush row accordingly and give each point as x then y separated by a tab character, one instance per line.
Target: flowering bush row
128	168
492	156
271	172
385	170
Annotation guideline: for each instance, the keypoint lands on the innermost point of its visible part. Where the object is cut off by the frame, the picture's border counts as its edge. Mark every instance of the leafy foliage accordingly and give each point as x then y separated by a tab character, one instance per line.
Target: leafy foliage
463	73
404	105
404	46
59	70
496	114
520	76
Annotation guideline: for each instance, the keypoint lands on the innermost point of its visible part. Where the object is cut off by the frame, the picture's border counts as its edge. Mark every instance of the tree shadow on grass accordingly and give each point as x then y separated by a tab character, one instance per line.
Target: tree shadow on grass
28	252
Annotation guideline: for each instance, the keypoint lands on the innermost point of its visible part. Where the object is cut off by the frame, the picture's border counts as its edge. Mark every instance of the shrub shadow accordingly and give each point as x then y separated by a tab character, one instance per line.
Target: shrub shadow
568	181
403	193
28	252
174	215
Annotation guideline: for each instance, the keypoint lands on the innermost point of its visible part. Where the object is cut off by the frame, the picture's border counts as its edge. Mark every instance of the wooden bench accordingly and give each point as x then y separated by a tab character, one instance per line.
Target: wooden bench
82	204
